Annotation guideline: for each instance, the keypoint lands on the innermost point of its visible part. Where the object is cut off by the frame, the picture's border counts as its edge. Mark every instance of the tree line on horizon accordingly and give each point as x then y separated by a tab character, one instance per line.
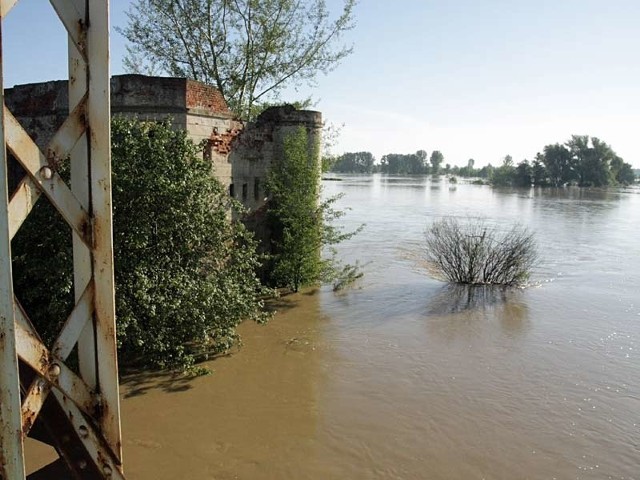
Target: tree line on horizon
582	160
418	163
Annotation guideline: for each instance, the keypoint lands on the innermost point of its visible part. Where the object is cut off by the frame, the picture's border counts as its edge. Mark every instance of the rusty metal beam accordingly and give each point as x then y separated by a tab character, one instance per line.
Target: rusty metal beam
22	202
79	160
5	6
54	428
80	316
73	15
78	413
68	134
43	173
102	456
11	440
99	115
32	351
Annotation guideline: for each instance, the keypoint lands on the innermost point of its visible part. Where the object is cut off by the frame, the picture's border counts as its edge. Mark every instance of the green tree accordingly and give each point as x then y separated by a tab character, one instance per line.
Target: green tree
250	50
301	223
558	162
423	160
503	175
354	162
539	172
404	164
591	163
523	174
622	172
184	274
436	160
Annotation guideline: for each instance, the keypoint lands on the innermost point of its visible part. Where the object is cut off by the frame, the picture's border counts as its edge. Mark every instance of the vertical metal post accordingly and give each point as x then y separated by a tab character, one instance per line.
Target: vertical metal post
79	159
99	116
11	453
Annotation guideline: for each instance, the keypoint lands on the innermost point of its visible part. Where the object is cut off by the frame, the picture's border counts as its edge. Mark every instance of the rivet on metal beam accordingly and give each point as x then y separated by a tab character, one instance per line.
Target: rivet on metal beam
54	370
46	173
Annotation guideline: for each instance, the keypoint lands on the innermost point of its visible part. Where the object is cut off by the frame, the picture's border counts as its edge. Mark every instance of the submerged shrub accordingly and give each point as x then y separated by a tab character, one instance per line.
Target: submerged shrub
479	254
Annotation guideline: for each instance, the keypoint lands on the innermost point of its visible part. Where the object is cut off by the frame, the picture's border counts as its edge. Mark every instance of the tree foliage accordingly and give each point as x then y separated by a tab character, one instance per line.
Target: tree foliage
405	164
558	161
354	162
503	175
478	254
250	50
301	222
436	160
584	161
184	274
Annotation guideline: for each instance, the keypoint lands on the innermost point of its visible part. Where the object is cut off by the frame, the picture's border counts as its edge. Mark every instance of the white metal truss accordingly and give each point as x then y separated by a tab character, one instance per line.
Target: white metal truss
79	411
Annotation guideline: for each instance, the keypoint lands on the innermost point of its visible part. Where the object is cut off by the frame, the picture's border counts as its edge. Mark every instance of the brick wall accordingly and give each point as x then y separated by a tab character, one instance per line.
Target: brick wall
202	98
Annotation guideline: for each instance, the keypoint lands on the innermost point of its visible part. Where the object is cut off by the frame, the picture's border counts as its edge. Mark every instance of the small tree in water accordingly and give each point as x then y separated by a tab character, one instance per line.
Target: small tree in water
300	222
478	254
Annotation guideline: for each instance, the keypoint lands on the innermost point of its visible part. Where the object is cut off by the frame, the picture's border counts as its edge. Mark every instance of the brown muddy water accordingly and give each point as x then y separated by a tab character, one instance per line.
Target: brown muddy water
403	377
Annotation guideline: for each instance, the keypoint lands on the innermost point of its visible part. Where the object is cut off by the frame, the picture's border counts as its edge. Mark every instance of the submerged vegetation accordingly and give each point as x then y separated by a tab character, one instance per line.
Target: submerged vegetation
185	274
302	223
476	253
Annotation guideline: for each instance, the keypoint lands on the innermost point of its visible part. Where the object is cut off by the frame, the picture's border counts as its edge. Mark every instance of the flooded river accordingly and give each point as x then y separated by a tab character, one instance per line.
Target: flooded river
403	377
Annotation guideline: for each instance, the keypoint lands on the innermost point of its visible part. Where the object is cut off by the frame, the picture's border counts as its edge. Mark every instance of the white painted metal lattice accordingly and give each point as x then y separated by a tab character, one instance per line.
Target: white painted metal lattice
79	410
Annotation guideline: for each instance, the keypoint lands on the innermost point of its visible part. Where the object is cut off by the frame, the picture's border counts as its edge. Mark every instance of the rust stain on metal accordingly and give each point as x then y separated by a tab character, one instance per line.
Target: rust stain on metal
105	464
28	419
82	36
45	361
99	407
53	160
87	231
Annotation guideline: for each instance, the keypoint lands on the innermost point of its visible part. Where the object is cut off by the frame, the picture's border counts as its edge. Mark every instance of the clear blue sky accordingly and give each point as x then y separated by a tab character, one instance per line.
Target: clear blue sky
473	78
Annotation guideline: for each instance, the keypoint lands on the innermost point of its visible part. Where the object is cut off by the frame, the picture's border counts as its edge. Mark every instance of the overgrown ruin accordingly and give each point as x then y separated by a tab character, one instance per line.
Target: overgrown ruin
240	154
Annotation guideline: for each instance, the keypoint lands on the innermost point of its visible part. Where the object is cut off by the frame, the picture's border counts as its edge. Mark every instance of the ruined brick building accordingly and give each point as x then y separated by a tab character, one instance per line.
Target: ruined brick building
240	154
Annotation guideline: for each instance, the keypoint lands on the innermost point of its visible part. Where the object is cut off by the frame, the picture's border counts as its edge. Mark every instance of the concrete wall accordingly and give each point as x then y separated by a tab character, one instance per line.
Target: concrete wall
256	148
260	143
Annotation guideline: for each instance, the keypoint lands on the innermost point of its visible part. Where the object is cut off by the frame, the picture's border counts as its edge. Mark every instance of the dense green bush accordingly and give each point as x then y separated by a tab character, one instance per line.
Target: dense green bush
184	273
301	223
478	254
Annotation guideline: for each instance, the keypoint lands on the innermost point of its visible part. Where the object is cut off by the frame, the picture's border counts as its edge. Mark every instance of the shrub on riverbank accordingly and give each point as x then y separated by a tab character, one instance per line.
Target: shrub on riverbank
184	273
477	253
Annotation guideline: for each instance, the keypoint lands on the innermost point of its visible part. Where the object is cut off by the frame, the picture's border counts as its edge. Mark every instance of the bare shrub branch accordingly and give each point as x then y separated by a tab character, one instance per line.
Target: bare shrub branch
479	254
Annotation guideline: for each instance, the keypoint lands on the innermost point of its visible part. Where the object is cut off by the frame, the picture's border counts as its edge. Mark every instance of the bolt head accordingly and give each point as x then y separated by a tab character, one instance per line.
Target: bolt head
46	173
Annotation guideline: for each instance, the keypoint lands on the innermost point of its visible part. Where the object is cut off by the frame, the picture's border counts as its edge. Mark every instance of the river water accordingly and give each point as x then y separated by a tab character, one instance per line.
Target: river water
403	377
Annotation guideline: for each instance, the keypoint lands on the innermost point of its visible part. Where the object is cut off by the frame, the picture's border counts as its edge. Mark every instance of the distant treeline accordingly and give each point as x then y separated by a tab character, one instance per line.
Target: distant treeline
394	163
584	161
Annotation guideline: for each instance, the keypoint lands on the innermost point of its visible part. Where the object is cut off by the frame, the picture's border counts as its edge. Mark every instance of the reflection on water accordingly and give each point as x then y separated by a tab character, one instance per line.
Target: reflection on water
460	298
405	378
467	311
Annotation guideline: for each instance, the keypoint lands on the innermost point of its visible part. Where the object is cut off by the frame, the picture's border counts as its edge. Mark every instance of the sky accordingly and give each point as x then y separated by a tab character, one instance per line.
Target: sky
474	79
